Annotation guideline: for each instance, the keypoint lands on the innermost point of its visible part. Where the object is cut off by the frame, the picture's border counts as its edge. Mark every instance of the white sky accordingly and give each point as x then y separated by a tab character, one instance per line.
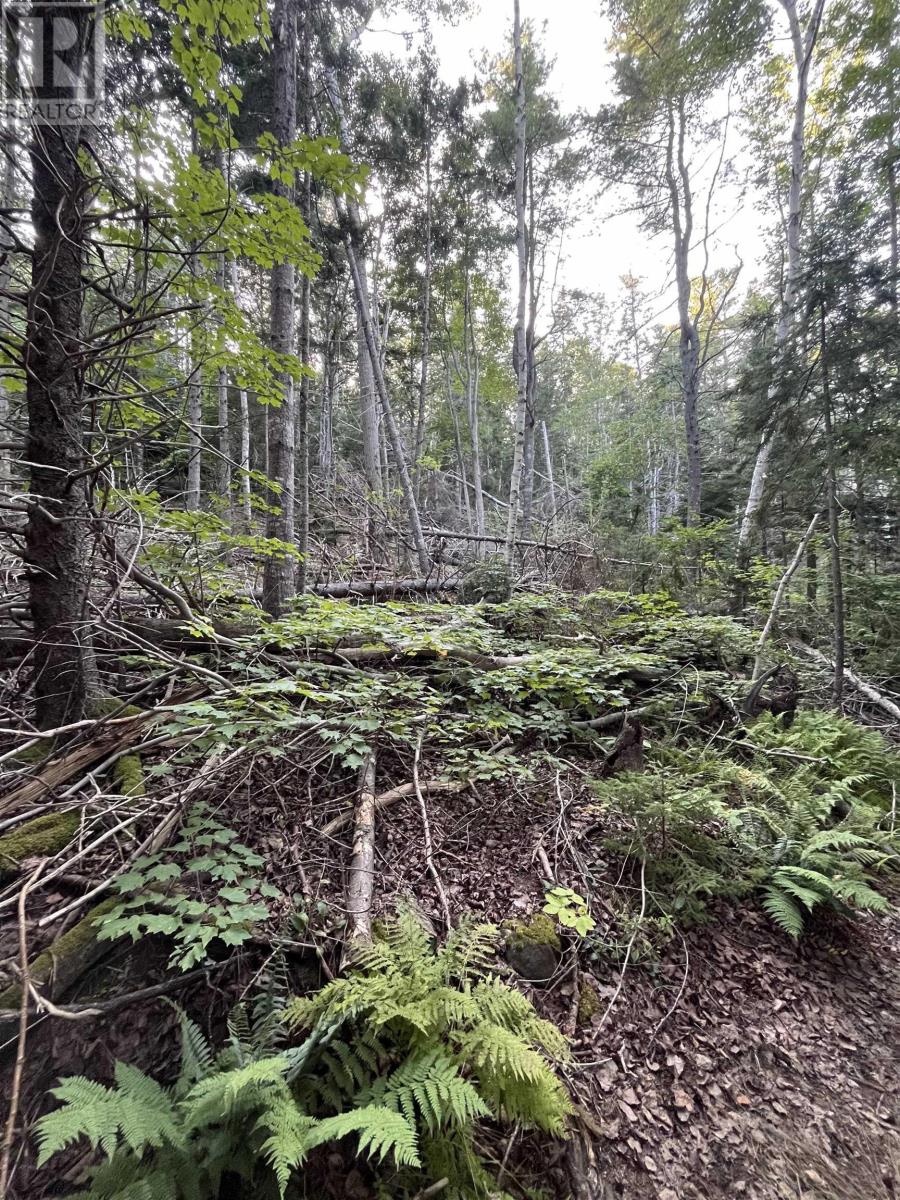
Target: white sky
605	245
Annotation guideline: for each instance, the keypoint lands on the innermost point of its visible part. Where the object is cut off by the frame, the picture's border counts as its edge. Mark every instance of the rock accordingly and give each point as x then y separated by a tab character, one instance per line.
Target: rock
533	948
588	1003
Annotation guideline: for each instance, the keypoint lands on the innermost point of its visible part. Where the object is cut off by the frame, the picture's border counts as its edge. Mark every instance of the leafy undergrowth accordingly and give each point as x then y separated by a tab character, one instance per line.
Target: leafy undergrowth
712	859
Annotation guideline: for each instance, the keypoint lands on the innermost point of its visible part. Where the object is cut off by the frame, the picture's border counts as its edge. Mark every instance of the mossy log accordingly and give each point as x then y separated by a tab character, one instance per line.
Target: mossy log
65	960
38	838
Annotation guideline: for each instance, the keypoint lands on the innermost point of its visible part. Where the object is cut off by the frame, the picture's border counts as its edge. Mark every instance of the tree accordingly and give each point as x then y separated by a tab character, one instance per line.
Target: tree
803	43
279	577
672	60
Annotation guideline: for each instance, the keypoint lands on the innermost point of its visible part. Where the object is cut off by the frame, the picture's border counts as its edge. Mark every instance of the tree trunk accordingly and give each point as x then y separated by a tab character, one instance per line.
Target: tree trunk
689	339
548	462
57	527
520	349
803	46
356	262
419	444
222	407
834	526
279	572
245	426
302	427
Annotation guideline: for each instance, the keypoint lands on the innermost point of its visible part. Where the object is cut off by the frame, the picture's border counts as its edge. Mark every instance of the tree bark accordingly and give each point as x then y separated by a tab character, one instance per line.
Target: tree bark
302	429
689	338
222	408
520	349
834	526
279	572
57	526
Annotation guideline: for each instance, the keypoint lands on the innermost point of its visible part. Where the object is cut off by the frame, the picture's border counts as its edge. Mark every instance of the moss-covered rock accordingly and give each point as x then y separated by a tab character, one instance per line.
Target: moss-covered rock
533	947
589	1003
36	839
66	959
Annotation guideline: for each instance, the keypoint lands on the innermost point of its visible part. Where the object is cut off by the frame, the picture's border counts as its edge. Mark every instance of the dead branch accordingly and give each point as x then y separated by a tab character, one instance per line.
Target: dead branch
871	693
386	799
361	872
779	594
429	848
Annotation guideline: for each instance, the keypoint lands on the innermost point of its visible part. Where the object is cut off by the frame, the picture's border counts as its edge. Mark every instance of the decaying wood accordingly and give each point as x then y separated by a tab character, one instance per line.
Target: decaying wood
361	872
386	799
105	741
871	693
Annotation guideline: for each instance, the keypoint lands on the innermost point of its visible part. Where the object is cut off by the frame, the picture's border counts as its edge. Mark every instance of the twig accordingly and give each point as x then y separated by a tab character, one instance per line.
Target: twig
386	799
433	1189
19	1069
429	847
628	949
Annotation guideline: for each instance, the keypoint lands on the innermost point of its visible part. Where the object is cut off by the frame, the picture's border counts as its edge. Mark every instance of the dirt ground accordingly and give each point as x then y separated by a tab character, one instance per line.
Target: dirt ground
729	1063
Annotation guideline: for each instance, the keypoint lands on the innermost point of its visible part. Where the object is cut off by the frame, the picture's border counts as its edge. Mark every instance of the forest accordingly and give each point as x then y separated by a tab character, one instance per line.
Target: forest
450	611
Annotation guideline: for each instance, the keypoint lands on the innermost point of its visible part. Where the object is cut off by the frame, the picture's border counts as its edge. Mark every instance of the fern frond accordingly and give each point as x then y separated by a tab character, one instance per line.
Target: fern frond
783	910
288	1141
197	1058
429	1083
381	1132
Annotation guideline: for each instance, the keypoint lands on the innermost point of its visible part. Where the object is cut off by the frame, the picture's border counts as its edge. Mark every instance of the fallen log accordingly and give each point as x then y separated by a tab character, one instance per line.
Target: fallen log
361	872
871	693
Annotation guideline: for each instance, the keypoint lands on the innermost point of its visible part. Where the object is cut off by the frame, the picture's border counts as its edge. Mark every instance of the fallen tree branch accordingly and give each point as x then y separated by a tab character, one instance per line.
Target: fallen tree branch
610	720
779	594
103	1008
386	799
872	694
429	848
361	872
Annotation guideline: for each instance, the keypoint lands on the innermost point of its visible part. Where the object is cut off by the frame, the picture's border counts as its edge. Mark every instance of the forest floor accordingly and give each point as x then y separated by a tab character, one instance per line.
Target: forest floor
722	1061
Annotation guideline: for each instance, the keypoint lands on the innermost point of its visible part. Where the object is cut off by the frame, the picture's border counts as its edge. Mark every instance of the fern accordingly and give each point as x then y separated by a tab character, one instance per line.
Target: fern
381	1132
410	1050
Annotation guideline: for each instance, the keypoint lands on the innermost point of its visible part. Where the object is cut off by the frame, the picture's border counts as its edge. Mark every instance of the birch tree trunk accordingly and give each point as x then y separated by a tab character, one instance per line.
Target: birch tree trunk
279	572
803	46
244	460
419	445
222	408
520	350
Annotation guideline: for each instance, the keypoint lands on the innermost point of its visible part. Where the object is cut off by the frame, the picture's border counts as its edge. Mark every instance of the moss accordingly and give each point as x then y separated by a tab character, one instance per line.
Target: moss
129	775
106	706
65	959
588	1004
32	756
43	836
539	930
